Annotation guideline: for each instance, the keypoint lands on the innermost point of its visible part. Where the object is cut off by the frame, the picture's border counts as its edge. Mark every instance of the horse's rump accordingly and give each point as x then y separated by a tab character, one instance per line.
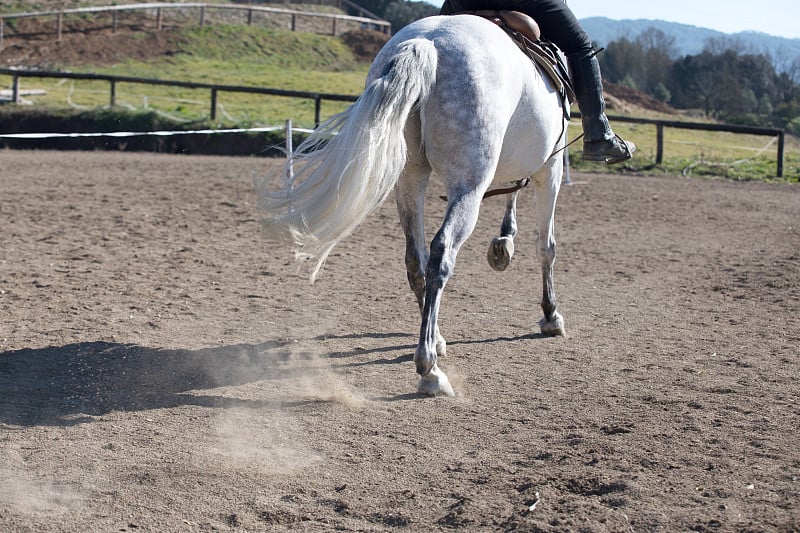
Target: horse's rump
486	88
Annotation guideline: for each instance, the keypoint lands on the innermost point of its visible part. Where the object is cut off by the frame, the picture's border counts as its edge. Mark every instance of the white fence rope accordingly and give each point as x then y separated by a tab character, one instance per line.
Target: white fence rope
688	170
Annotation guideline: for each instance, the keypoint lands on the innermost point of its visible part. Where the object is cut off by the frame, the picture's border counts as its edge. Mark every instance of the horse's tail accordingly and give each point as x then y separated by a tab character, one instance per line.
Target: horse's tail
347	167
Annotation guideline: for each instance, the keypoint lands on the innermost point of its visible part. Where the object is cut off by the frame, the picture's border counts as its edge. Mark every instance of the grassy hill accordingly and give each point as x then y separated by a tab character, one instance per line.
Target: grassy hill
233	54
227	53
226	50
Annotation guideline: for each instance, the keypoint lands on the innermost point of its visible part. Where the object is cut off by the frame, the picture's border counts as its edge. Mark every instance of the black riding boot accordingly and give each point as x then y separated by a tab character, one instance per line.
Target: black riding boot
600	143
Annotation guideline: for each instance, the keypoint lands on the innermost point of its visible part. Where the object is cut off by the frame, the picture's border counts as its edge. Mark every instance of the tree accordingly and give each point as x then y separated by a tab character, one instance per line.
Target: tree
643	63
719	45
658	49
629	82
620	59
698	82
765	107
662	93
376	6
727	80
401	13
723	85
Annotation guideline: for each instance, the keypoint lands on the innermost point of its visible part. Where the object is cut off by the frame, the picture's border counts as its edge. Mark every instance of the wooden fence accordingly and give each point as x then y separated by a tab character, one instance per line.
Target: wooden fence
201	8
212	87
319	97
729	128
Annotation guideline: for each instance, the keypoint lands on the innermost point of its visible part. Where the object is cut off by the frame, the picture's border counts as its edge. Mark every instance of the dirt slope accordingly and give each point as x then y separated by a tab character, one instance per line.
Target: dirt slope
33	44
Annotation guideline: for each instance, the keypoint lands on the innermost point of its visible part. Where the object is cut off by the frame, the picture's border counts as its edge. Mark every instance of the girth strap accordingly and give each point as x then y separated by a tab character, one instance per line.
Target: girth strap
514	186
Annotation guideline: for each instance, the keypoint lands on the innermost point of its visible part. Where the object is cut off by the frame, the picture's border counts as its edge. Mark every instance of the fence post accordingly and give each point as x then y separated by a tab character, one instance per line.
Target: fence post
213	104
659	143
317	109
333	30
159	19
113	22
289	150
249	17
15	90
781	139
565	176
202	15
113	98
1	31
59	26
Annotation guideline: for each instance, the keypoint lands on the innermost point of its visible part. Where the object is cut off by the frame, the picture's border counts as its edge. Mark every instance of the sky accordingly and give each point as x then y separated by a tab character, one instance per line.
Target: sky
774	17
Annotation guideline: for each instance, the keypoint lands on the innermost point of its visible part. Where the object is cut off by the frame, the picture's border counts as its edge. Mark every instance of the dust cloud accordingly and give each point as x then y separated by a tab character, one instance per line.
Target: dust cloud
259	429
21	492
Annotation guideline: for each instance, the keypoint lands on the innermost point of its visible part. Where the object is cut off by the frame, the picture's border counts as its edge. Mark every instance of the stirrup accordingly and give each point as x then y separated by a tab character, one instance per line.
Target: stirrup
612	155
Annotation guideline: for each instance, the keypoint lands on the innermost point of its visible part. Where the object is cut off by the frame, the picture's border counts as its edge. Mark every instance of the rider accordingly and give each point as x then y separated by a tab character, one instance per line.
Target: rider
560	26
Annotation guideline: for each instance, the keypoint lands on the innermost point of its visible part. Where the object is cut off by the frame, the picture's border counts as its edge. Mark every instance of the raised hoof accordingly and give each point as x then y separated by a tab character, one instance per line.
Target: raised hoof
435	383
554	327
501	250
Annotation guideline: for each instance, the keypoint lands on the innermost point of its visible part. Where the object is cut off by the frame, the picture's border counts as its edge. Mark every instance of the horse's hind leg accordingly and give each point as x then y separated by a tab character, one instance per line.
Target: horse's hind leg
501	249
547	183
459	221
410	199
410	196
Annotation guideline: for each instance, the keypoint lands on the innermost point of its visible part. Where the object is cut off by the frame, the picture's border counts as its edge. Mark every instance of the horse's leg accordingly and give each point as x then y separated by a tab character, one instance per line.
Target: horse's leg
409	196
547	182
459	221
501	249
410	199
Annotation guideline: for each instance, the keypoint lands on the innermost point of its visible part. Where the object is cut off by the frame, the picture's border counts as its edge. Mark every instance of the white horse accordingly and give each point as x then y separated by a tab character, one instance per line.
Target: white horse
453	95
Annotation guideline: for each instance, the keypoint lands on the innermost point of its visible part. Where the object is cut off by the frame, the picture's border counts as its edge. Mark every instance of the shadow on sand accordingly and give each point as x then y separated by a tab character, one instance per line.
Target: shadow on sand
67	385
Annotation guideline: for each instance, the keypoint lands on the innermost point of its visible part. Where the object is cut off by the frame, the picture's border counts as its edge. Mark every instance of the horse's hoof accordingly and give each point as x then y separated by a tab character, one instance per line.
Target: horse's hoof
435	383
554	327
501	250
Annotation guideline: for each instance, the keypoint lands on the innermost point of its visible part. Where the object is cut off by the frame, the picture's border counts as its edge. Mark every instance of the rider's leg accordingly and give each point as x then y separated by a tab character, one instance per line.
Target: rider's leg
600	143
560	26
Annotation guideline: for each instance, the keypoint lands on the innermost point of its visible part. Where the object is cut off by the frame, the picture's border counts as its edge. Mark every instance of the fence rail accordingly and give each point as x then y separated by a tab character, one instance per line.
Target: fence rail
704	126
371	20
214	89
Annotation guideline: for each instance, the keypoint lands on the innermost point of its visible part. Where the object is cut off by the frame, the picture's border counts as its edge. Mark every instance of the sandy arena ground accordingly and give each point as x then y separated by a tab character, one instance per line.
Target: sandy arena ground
163	367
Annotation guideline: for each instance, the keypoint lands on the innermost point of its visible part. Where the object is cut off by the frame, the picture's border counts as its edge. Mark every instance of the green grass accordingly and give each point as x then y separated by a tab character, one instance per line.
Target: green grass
229	55
698	153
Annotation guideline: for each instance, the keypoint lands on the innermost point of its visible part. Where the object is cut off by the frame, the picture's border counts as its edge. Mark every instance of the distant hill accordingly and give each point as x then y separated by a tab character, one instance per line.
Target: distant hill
689	40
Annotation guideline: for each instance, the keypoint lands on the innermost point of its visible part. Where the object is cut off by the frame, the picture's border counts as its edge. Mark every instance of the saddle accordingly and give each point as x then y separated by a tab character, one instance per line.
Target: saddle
525	32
